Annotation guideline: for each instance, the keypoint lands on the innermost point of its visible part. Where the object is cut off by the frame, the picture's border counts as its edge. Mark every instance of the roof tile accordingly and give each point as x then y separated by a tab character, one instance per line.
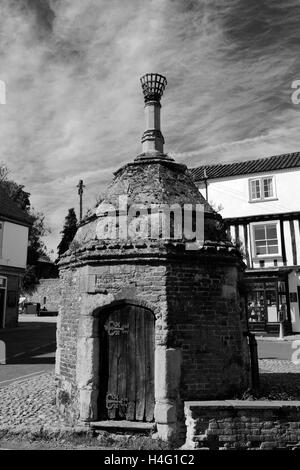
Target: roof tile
261	165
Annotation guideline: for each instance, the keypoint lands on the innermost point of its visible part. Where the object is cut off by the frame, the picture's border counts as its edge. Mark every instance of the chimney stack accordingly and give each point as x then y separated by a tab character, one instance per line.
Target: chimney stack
153	85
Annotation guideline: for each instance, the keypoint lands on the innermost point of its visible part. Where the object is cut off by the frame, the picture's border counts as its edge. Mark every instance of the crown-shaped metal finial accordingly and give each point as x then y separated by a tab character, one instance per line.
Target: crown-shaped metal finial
153	85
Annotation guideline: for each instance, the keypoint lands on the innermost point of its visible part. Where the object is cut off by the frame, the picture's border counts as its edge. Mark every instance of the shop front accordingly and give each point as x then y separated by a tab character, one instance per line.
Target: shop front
268	301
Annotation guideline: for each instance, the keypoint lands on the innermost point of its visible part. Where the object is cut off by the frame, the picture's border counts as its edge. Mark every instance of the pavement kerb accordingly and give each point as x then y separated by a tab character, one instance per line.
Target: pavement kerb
276	338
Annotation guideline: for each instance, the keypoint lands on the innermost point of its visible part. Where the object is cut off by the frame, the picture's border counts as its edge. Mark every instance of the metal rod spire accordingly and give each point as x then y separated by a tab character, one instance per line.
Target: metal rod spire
80	187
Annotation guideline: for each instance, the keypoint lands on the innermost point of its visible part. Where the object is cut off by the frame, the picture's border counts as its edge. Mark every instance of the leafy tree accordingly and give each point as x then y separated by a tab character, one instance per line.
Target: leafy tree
36	246
3	172
17	193
68	232
14	190
30	280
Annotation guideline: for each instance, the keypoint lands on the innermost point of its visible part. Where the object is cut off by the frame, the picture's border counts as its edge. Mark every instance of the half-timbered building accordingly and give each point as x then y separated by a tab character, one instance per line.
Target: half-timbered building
260	202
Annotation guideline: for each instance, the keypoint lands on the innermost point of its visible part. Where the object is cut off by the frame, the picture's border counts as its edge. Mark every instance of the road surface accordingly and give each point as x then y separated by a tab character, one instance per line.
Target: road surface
30	348
276	349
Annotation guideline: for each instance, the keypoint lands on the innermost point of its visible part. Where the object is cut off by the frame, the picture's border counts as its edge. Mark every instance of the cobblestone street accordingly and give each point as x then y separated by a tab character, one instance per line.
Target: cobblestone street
279	380
278	366
30	403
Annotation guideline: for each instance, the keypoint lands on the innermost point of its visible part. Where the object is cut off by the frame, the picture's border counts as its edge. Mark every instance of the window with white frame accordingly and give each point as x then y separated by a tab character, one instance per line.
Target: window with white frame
266	239
261	189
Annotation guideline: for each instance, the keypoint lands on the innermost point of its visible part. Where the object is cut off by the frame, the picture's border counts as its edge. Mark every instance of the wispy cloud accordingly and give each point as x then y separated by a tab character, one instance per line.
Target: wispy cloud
74	106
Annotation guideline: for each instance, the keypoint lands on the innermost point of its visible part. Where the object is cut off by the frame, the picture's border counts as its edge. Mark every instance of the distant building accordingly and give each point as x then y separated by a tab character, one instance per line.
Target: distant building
260	202
14	227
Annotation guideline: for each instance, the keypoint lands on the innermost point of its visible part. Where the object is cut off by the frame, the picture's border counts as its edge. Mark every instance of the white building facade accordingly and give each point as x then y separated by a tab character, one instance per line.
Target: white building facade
260	202
14	227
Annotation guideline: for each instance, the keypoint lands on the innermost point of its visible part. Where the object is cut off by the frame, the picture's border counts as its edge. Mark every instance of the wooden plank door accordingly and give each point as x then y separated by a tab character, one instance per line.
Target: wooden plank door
130	369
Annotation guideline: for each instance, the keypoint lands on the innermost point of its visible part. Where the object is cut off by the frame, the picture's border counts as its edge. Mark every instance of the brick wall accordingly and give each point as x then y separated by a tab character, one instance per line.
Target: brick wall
197	310
208	324
141	282
193	311
240	424
49	290
67	332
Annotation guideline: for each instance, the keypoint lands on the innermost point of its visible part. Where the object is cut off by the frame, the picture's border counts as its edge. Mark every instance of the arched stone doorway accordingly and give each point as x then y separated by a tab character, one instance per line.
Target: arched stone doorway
126	363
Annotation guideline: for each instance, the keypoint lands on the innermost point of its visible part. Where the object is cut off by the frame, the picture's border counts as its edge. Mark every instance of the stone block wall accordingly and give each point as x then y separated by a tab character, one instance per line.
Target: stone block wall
241	424
49	290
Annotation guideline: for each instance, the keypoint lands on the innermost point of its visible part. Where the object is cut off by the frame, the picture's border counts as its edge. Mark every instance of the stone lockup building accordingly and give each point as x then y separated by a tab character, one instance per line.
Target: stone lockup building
151	314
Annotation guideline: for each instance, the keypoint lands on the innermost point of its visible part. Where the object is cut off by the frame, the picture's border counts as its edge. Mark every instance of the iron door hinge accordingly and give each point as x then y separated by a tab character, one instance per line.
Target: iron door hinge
114	401
115	328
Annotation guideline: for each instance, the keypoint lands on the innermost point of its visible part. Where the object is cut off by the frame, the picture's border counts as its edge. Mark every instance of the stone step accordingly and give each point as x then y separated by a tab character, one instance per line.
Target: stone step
123	426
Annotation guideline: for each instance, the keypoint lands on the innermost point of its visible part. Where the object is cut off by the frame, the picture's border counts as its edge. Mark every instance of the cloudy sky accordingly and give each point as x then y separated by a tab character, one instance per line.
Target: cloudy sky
74	106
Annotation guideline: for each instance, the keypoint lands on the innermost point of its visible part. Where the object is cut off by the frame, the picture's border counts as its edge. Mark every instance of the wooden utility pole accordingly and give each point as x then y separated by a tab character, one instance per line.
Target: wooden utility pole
80	187
205	182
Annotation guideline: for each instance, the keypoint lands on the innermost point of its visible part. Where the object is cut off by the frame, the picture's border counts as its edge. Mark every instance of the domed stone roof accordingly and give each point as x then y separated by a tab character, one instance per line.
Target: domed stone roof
147	183
152	200
155	182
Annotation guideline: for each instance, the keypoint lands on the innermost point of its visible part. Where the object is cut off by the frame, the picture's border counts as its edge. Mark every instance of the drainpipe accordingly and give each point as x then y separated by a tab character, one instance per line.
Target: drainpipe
254	361
253	351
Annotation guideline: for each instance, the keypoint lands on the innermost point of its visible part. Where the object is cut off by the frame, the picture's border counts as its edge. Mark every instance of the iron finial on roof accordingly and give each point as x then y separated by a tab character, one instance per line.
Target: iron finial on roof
153	86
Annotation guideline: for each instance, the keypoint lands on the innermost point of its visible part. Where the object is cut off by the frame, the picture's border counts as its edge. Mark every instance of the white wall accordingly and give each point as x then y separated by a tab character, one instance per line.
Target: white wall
233	194
14	245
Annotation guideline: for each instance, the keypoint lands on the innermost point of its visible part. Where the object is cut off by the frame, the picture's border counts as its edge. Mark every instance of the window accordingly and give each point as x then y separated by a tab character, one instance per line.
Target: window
265	237
255	189
261	189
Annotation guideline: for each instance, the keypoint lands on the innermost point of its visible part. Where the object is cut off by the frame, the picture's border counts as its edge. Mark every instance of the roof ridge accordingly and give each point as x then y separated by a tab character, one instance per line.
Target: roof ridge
246	161
259	165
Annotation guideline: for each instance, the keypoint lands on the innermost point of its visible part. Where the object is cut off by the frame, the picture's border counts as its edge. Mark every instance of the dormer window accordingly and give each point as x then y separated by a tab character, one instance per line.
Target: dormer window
261	189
